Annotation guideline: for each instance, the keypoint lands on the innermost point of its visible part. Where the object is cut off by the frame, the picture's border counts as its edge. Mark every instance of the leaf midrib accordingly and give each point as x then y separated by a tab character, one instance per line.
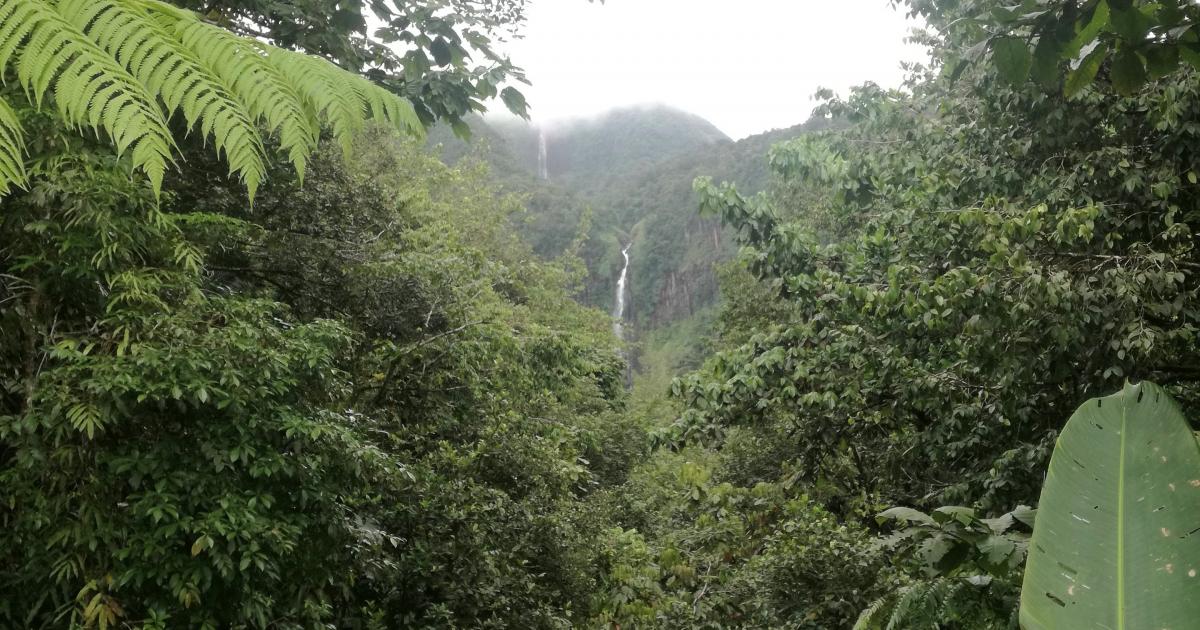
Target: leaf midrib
1121	518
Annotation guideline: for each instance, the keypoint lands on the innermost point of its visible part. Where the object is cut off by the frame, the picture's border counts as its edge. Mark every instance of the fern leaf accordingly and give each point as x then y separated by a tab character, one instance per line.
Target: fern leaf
166	67
872	617
908	608
289	91
90	87
341	98
123	67
269	97
12	149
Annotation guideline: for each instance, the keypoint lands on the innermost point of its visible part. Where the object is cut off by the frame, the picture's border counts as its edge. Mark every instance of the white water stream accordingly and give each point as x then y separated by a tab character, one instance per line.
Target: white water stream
622	291
543	161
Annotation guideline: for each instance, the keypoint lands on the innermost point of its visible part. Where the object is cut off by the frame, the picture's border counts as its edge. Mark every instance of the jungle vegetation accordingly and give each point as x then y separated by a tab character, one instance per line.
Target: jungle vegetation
268	361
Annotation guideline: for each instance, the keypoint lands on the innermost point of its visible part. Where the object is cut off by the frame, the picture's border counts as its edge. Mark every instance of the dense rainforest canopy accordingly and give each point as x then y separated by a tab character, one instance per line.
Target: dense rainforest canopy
378	394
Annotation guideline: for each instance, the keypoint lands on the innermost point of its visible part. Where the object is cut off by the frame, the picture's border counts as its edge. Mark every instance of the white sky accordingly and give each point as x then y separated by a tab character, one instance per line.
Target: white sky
745	65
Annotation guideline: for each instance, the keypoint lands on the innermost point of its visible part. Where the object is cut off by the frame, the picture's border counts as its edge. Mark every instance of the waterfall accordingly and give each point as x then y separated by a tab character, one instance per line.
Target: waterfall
622	290
543	161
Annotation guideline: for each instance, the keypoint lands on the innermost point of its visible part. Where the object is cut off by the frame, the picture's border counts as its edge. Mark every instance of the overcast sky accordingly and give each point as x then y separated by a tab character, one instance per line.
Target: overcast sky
745	65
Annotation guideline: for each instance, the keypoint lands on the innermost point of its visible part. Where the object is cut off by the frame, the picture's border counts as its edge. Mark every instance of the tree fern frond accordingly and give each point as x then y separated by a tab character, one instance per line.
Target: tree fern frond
90	87
124	66
341	98
268	95
943	592
12	149
918	604
167	68
330	94
398	112
872	617
906	613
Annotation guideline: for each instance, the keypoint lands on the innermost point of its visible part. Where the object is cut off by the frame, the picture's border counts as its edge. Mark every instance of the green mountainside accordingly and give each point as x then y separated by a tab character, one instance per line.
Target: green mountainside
598	154
633	169
675	246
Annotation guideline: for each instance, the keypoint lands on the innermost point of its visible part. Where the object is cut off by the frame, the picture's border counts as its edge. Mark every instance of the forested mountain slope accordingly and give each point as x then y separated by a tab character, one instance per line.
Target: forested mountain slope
596	154
676	247
634	169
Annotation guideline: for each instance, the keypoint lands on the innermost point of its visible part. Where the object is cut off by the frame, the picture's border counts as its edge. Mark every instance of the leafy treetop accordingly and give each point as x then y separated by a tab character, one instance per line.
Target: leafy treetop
1034	39
439	54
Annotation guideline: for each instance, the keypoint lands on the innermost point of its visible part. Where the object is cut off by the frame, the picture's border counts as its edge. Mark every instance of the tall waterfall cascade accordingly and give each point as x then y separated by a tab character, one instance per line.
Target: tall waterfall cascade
622	292
543	159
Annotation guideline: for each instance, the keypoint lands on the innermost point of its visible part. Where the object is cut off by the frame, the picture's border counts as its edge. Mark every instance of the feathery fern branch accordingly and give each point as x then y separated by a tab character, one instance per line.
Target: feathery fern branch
90	87
125	66
12	148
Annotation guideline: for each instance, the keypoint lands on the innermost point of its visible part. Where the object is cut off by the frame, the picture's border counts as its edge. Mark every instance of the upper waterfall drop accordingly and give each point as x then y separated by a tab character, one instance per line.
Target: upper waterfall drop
543	158
622	290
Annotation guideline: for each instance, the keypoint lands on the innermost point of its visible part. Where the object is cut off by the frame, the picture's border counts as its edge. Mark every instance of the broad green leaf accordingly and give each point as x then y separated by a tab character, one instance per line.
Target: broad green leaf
1113	546
1025	514
1128	72
943	553
441	52
1161	60
954	513
1046	55
1190	54
1099	21
1130	23
1003	15
1012	58
996	551
1000	524
1085	73
515	101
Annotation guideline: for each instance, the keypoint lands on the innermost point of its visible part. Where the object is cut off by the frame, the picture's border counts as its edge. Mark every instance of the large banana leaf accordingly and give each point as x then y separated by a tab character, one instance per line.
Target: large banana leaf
1116	545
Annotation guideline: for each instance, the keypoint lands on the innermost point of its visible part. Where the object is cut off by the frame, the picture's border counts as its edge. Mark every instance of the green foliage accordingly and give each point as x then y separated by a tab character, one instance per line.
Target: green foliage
365	403
1142	40
924	293
1112	545
954	541
694	551
965	568
1054	271
811	572
440	55
125	66
936	603
168	451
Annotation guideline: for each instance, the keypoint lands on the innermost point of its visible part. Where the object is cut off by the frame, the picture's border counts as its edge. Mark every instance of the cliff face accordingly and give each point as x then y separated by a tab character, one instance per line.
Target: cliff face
675	279
676	248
